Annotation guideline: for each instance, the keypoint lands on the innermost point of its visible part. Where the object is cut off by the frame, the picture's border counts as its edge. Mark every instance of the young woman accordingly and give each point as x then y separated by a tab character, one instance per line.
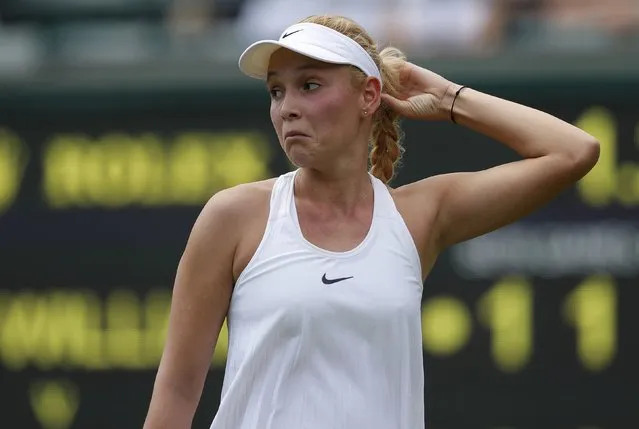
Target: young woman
319	272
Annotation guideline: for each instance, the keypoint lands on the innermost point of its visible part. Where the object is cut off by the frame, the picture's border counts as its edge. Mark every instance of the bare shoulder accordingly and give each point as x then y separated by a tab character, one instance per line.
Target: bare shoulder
422	197
425	196
239	215
238	203
418	203
225	216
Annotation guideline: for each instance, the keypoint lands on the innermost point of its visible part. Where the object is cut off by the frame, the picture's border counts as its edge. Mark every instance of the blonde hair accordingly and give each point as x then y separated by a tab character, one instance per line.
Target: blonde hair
385	143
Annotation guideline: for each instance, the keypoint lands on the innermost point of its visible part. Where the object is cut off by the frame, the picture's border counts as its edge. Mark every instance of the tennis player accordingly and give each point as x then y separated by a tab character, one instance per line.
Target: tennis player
320	271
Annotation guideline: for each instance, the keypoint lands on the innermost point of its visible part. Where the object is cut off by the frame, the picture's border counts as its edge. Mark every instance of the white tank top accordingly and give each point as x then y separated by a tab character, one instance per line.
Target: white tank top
326	340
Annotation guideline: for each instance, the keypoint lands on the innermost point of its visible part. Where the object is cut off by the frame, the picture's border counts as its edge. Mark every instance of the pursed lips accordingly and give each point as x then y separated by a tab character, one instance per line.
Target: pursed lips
290	134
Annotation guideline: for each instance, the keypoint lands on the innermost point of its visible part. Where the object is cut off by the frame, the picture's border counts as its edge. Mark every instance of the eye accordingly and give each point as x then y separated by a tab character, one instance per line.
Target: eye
310	86
275	92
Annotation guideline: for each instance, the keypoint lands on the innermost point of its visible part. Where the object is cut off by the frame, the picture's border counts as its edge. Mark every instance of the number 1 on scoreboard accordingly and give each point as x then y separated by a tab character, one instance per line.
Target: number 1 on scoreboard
592	309
507	310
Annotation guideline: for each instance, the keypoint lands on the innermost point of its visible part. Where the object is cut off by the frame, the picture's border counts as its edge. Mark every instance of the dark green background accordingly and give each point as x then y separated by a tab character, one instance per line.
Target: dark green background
139	248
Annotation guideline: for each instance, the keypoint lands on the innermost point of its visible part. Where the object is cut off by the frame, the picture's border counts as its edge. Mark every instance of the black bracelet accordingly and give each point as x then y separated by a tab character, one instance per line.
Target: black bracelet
452	115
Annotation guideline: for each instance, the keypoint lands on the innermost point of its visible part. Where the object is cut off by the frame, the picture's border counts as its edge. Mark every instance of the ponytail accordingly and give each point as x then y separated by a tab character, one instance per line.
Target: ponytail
386	149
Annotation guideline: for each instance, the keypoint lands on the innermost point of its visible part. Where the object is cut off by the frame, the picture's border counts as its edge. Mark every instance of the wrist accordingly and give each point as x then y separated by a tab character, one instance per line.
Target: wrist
448	100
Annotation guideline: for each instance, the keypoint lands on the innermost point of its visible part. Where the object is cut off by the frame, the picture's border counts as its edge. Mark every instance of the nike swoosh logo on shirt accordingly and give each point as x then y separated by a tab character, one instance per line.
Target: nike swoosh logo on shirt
331	281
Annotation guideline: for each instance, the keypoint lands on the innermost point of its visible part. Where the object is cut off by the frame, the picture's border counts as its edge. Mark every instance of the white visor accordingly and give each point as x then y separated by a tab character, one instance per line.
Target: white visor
311	40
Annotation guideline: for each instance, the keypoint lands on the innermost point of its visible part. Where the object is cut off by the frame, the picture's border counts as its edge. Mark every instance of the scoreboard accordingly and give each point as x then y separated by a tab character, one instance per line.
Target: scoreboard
527	327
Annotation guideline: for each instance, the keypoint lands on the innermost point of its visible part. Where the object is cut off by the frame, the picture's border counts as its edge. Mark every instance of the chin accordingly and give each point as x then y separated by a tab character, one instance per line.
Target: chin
299	157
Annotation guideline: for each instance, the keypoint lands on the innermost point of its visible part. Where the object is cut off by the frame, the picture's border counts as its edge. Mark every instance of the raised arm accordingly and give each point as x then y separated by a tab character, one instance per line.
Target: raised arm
555	155
200	302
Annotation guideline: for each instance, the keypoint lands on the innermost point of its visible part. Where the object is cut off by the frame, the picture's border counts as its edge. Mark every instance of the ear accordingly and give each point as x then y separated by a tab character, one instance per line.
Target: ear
371	95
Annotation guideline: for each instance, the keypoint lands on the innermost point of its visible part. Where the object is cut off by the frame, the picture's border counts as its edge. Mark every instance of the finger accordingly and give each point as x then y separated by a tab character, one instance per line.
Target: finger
397	105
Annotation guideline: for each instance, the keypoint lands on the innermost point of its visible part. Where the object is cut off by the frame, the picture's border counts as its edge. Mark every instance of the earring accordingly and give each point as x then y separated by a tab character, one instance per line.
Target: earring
365	112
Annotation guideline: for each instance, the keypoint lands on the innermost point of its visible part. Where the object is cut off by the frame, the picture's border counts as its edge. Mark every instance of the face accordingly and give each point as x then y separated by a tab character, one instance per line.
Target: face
316	109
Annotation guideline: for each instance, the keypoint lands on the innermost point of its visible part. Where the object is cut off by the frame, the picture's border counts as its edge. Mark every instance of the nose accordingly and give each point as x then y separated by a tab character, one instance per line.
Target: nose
289	109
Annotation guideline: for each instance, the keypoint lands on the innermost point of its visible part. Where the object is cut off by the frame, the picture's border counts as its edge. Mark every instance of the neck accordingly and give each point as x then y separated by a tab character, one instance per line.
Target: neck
342	190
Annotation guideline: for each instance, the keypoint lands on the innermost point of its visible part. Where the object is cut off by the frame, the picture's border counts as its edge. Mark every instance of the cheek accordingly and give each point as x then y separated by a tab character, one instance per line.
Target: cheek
276	119
335	111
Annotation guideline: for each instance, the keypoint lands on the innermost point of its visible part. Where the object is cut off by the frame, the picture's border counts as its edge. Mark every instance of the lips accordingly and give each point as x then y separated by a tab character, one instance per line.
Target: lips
294	134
